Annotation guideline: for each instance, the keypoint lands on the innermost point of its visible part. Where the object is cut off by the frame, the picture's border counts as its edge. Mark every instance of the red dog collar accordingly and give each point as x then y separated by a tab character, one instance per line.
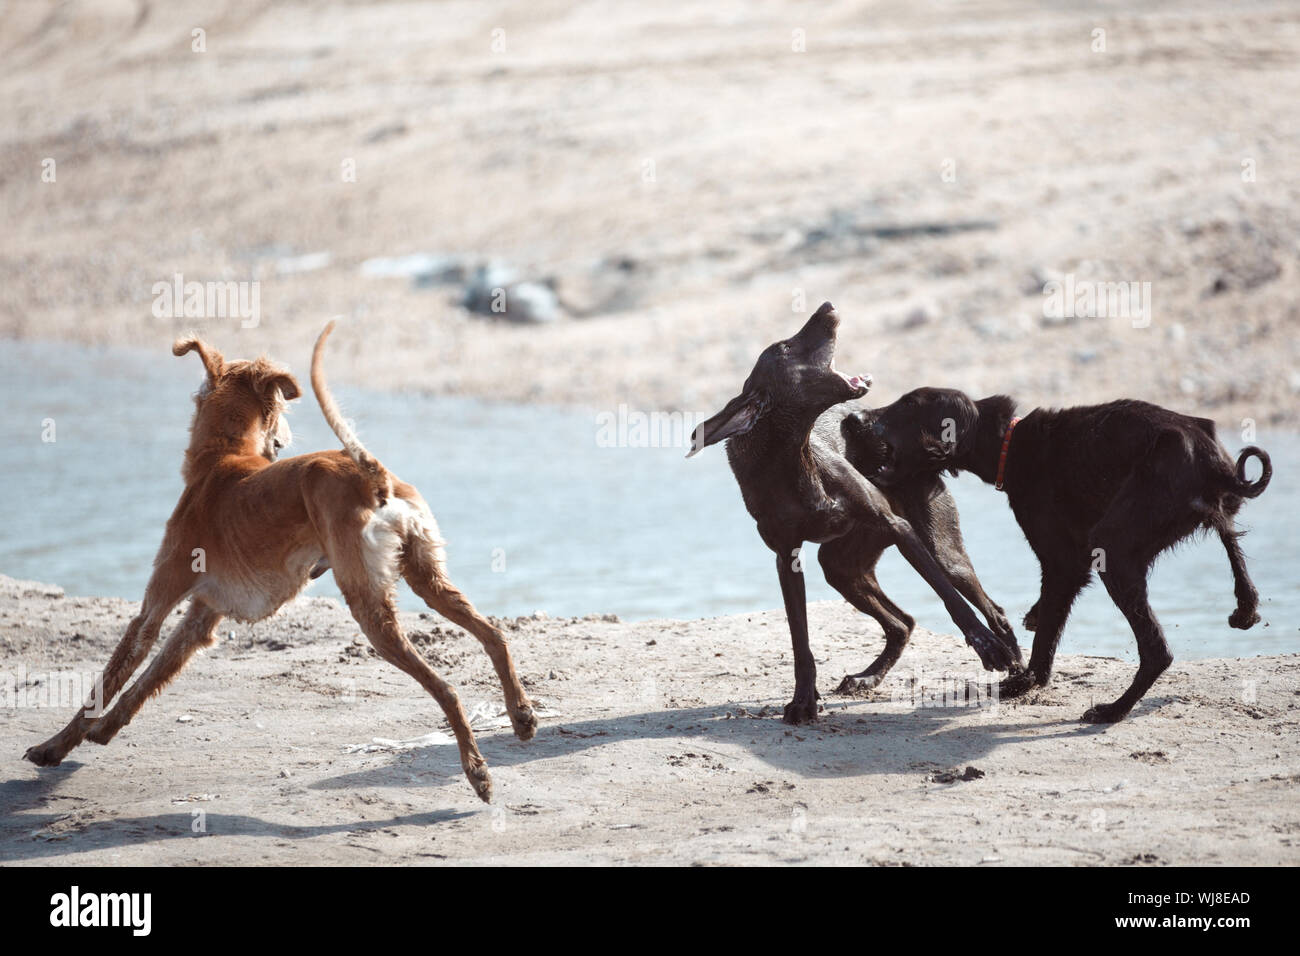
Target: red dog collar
1002	459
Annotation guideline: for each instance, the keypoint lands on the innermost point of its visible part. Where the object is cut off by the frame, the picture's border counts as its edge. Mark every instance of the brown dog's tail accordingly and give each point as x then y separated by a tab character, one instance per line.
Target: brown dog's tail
1253	489
367	462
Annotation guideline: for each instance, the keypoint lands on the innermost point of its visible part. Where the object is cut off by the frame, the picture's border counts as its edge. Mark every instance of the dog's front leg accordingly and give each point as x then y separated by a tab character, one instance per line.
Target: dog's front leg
127	657
803	708
993	653
195	631
873	509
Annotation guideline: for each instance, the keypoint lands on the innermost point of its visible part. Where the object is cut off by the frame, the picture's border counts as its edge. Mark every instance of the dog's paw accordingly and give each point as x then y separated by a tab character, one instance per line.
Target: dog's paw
1019	683
993	653
1243	618
1001	625
800	711
1031	619
47	754
479	778
1104	714
525	722
859	685
1016	659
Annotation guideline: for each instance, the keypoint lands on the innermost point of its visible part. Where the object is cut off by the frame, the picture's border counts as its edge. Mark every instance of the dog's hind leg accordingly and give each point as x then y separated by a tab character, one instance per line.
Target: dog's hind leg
378	619
1141	523
364	546
422	566
1126	581
193	633
167	587
849	565
865	594
1247	613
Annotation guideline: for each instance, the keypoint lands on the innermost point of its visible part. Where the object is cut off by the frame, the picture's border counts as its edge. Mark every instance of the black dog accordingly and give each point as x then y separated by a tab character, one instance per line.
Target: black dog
799	456
1104	487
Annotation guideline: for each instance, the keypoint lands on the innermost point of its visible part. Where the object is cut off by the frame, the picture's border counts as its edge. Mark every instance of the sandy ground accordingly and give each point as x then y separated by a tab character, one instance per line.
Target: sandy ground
663	744
690	183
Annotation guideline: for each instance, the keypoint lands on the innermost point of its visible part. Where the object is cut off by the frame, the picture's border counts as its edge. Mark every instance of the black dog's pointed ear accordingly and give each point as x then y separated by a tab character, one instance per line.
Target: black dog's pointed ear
737	417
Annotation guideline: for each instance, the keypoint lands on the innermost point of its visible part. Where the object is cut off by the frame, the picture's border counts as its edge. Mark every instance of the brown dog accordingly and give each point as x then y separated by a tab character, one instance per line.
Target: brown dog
249	532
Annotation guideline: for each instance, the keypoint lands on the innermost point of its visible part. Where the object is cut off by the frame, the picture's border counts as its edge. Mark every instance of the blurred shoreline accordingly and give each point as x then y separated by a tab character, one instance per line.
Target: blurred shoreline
659	194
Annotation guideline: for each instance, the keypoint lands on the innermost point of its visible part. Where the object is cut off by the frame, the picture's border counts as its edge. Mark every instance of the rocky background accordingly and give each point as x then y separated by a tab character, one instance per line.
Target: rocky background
657	193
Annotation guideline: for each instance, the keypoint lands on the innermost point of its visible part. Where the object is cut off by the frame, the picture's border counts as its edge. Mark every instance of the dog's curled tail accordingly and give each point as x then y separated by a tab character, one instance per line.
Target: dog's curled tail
367	462
1253	489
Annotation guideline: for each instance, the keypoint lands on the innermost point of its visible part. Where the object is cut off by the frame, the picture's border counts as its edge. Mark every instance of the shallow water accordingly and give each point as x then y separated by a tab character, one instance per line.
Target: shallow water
540	516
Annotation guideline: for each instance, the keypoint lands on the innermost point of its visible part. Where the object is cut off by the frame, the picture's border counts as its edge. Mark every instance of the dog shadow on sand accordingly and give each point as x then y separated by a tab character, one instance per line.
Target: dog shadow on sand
849	739
28	836
852	738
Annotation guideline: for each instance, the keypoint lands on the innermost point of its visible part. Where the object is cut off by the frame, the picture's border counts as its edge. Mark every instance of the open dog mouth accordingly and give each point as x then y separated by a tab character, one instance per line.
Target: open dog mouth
820	334
854	382
858	383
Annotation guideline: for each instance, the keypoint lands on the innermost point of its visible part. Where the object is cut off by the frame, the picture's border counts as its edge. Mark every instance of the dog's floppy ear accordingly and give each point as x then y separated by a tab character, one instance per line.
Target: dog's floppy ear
737	417
941	453
285	382
212	359
938	453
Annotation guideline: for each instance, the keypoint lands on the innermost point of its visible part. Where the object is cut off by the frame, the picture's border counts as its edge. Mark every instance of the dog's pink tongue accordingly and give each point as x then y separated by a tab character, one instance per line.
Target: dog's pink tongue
856	381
